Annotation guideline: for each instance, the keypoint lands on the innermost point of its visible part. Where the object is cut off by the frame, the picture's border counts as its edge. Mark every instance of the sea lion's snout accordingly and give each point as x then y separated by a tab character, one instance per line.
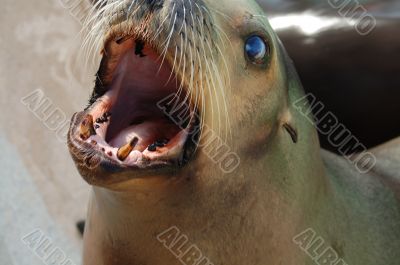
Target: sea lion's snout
141	124
145	112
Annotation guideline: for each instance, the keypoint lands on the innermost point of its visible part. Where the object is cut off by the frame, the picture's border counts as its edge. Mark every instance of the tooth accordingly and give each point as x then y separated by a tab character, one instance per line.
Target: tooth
104	118
87	129
125	150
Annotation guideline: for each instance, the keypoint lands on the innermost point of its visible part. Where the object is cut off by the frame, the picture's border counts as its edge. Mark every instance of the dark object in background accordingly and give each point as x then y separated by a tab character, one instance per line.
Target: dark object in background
80	225
356	76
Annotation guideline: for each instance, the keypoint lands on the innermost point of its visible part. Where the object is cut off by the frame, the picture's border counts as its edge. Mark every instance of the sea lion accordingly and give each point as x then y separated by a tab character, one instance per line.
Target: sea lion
197	154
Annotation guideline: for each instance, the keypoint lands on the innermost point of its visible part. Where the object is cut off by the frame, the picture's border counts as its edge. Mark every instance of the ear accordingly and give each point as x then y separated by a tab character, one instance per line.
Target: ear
293	84
288	125
292	132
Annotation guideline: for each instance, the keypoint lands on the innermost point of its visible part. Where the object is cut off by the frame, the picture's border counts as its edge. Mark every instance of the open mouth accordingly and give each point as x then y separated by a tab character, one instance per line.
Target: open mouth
141	115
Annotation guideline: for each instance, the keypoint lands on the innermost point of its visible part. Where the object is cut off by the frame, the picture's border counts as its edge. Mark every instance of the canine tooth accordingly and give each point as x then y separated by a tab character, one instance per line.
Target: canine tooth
86	128
125	150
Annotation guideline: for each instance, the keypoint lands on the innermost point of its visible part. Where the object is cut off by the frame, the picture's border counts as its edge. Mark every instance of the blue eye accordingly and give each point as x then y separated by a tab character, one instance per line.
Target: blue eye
256	50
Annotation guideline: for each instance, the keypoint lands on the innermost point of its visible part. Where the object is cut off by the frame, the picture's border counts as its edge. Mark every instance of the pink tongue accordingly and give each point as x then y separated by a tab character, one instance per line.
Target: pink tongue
147	132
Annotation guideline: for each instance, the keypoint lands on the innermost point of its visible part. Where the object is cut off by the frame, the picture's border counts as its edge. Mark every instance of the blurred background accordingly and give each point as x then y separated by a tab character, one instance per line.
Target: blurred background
355	75
39	185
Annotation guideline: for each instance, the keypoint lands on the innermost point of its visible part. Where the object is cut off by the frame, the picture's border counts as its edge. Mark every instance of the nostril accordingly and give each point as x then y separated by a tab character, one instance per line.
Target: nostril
155	5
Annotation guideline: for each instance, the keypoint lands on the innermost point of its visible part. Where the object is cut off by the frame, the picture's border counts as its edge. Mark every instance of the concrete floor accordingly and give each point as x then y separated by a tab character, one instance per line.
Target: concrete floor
39	185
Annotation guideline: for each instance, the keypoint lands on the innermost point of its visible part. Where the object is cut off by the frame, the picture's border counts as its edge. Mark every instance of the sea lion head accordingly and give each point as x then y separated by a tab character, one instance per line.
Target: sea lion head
188	89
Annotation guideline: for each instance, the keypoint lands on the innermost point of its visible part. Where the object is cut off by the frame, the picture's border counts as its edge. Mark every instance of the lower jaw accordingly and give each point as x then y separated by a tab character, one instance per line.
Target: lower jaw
100	170
165	152
165	156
